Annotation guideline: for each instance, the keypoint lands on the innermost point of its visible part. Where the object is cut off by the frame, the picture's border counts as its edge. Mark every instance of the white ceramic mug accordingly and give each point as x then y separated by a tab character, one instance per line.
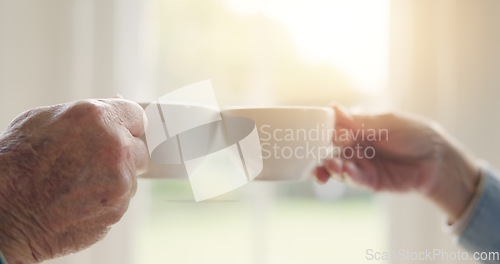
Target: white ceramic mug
293	139
181	137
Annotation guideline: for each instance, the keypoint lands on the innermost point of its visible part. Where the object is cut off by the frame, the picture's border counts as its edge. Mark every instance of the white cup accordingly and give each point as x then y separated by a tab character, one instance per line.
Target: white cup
162	170
293	139
180	135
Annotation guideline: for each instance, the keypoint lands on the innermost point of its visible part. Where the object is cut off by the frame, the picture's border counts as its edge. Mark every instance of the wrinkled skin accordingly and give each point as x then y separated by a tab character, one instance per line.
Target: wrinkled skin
418	156
67	173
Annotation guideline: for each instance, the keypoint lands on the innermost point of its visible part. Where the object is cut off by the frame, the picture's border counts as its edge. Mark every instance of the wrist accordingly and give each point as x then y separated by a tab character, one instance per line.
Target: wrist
2	258
458	226
14	243
456	181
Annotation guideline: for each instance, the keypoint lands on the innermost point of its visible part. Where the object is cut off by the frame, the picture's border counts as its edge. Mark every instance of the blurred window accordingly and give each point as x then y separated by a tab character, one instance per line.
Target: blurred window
271	52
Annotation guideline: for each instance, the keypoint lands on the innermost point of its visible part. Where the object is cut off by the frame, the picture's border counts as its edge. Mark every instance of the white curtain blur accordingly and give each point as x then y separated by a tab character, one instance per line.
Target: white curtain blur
56	51
445	63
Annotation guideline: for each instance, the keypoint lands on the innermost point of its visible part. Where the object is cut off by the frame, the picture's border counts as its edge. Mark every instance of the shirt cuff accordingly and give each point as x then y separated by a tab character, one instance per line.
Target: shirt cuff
459	225
2	259
481	230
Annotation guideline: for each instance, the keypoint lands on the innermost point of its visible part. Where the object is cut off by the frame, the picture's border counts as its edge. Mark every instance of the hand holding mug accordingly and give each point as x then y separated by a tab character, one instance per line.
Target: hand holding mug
418	155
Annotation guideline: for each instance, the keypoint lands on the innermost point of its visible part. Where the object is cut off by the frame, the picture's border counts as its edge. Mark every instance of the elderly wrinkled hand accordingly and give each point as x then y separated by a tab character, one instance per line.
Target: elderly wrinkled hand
67	174
414	154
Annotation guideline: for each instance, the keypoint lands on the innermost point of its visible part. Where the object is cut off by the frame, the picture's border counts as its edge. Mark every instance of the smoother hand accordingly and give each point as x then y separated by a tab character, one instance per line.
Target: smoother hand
67	172
406	153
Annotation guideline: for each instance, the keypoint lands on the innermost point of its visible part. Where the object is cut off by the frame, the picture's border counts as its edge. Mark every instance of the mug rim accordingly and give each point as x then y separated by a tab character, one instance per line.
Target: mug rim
303	108
246	107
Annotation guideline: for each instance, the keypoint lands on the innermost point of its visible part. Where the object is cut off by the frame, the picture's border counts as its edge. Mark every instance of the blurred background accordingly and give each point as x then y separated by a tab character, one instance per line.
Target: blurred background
437	58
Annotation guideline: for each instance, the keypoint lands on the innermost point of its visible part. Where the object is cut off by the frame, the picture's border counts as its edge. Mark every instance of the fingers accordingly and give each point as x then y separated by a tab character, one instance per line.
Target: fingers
332	168
339	171
350	137
359	173
141	160
141	155
134	119
343	118
333	165
344	123
321	174
344	127
131	115
355	120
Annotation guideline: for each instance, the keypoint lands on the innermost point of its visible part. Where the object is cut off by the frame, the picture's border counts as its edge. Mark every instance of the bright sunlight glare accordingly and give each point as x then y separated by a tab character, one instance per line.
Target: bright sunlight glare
352	35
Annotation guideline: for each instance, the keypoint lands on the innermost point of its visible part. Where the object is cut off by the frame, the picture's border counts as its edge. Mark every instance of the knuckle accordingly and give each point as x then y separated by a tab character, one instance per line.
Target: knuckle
85	110
122	185
117	150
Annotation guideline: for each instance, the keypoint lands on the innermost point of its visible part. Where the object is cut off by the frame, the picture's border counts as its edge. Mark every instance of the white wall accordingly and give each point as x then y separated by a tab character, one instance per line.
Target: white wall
56	51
